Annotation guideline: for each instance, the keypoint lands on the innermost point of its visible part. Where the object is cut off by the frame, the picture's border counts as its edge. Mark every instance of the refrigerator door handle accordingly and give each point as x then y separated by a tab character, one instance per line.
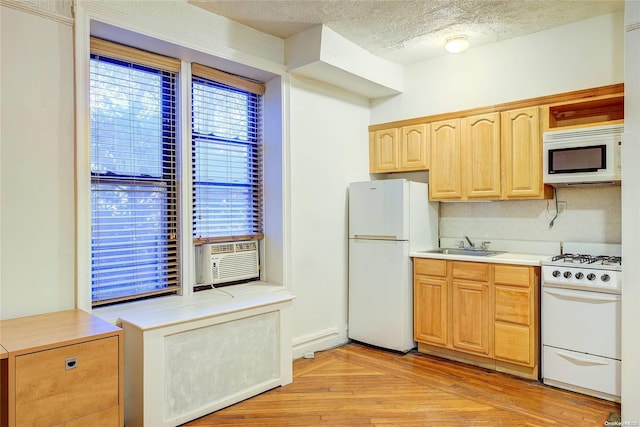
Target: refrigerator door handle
374	237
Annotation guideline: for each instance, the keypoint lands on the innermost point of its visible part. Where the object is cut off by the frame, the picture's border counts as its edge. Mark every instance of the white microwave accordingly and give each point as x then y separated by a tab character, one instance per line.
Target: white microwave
586	156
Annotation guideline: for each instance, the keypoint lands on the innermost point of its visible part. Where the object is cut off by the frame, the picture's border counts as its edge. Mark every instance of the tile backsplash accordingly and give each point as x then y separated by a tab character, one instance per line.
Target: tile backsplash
593	214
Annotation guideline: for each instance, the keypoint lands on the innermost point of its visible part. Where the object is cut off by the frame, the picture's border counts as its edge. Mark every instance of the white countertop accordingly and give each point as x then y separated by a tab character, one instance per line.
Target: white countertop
505	258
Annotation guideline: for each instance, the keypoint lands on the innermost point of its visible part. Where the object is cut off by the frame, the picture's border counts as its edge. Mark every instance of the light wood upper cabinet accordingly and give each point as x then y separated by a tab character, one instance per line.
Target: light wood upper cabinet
481	155
414	147
383	151
522	153
402	149
489	153
445	175
465	158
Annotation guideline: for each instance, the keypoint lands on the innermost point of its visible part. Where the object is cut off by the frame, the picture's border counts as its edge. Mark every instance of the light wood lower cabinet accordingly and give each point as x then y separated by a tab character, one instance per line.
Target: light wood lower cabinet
470	317
516	314
62	369
481	313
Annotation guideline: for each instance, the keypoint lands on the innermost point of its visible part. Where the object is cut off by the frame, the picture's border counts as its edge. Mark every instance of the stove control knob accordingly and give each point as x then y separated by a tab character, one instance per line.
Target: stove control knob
567	274
605	277
591	276
579	275
556	273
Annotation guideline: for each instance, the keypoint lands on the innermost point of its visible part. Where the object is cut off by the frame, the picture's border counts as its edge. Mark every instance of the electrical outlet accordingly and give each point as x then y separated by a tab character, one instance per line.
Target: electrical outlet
562	206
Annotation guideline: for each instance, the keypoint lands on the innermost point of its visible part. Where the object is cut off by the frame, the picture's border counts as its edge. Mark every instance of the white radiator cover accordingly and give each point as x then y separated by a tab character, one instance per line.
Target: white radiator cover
185	362
206	365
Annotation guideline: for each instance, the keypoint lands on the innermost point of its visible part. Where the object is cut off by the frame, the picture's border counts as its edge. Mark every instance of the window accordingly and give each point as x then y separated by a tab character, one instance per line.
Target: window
226	156
134	197
136	176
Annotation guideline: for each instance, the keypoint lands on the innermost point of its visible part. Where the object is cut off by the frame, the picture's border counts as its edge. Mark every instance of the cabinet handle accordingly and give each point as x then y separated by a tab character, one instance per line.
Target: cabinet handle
70	363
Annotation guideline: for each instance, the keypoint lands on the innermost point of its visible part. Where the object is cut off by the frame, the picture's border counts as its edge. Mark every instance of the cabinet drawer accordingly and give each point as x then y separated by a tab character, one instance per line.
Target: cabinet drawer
512	343
471	271
582	370
45	383
430	267
512	275
512	305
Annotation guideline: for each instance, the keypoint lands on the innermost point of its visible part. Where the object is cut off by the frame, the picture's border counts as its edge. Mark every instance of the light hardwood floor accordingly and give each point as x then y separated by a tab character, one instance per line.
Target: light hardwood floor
355	385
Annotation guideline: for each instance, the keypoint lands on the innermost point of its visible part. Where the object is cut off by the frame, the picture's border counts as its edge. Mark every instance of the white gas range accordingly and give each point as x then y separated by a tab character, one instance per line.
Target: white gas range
580	303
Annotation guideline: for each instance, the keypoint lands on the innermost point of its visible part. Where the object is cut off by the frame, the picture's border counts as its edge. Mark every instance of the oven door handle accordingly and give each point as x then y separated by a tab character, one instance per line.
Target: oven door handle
582	295
581	360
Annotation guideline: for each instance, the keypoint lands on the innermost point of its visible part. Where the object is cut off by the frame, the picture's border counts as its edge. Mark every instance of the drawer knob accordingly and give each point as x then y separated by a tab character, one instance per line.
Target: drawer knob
70	363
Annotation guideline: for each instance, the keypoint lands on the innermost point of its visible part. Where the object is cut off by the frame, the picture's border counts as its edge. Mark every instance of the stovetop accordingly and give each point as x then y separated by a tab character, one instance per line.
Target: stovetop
602	262
577	268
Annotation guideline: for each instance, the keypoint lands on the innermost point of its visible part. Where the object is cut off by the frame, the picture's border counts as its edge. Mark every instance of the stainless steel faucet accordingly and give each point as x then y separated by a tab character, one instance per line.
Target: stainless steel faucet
470	242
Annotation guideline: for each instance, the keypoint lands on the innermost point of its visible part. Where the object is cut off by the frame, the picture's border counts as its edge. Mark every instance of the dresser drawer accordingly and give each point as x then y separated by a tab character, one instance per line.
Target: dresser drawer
107	418
47	382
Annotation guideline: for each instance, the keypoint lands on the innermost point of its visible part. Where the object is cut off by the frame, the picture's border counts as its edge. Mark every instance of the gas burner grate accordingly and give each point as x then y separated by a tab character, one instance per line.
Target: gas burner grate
607	260
588	259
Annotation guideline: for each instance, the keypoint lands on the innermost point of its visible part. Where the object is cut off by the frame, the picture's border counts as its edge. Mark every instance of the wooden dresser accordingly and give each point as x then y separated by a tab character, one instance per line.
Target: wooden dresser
61	369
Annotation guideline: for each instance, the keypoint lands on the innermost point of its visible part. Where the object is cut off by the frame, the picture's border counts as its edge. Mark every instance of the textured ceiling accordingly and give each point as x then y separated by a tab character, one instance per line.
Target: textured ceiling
406	31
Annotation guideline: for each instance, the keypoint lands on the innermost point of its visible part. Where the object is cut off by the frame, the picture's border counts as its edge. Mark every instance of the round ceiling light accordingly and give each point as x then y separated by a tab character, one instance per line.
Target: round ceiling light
456	44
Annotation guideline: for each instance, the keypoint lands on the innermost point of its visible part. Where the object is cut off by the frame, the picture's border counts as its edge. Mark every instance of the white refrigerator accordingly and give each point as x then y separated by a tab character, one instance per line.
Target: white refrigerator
388	219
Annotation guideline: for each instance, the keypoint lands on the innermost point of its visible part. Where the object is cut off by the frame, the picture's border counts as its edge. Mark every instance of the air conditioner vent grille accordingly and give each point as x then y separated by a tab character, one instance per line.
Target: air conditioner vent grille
246	246
224	248
228	262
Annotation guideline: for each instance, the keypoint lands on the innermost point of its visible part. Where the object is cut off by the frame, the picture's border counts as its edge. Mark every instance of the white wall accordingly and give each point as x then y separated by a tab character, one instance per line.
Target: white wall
630	222
585	54
37	166
329	149
583	220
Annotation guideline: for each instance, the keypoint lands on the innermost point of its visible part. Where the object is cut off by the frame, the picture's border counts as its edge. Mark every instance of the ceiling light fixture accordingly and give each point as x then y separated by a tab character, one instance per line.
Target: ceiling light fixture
456	44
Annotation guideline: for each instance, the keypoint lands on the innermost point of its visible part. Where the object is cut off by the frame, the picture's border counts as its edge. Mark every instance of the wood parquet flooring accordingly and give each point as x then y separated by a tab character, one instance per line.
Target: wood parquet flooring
356	385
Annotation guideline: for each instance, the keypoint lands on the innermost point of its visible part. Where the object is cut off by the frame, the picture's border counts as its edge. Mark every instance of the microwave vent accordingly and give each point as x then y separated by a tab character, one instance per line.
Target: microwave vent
589	132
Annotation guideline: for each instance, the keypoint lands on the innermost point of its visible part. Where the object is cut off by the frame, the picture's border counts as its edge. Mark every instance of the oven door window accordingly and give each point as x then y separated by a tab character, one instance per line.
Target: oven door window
578	159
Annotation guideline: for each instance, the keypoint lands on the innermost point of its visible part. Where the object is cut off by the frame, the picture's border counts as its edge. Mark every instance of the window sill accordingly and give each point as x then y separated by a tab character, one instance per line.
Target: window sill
175	309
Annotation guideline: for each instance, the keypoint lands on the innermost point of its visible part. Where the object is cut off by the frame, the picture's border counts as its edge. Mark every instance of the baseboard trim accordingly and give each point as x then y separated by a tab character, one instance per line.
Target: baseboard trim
321	340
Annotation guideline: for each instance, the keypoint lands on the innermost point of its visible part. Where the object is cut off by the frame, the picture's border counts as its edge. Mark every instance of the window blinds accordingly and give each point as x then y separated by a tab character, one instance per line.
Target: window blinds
134	200
226	156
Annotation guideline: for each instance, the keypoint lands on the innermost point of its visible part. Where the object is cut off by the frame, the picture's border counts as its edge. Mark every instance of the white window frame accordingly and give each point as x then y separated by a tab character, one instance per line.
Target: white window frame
131	31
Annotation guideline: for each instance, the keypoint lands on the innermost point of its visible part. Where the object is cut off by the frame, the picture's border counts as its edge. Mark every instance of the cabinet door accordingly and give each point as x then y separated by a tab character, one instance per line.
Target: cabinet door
481	147
51	389
445	181
470	317
383	151
414	144
430	310
522	153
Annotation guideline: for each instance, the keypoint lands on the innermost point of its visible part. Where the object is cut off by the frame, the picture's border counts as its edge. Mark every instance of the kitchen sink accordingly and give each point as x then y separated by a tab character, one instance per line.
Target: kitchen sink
463	251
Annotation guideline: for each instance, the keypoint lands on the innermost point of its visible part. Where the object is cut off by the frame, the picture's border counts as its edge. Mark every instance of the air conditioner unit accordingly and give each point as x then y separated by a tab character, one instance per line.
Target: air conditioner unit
228	262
